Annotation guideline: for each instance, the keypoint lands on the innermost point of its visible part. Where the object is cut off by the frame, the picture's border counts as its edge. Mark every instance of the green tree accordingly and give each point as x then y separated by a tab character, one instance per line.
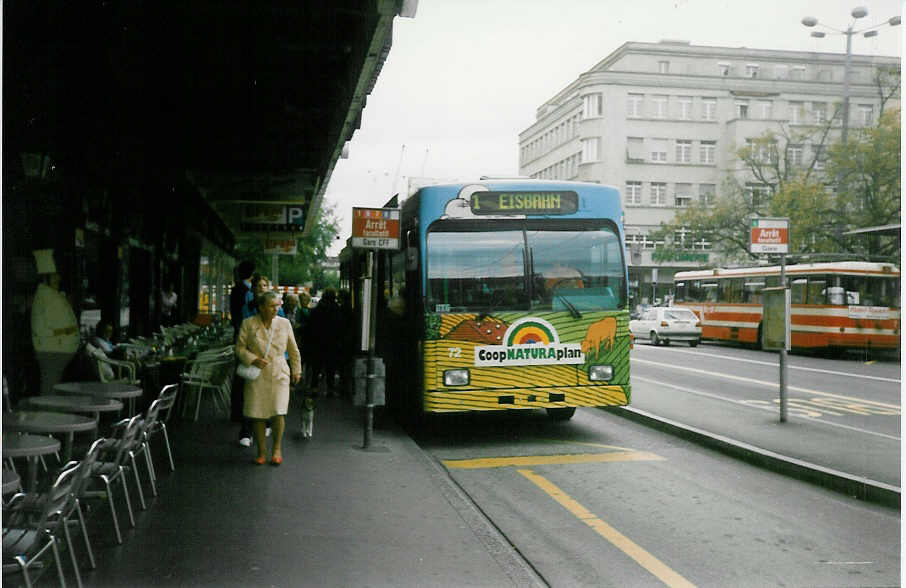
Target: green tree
307	264
834	189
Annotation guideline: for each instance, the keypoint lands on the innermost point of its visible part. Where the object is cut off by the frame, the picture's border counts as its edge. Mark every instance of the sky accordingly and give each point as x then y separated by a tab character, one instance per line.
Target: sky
465	77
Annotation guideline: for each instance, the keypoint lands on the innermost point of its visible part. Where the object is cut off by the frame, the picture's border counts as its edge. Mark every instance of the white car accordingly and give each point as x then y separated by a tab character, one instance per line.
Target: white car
666	324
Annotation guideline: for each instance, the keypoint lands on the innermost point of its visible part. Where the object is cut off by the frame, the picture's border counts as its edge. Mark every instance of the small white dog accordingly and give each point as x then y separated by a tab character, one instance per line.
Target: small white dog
308	416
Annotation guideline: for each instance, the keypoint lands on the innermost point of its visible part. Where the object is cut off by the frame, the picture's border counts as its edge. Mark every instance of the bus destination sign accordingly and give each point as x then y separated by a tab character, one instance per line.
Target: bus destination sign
376	228
516	202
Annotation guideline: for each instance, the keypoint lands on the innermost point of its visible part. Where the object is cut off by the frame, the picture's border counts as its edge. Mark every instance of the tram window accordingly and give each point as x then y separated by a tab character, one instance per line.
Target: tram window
680	295
798	290
710	291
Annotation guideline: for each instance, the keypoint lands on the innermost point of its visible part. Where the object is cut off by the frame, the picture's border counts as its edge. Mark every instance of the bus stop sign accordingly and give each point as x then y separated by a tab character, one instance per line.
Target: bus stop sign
770	235
376	228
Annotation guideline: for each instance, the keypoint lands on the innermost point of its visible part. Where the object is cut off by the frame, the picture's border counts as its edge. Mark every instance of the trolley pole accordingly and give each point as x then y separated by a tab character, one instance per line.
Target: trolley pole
783	370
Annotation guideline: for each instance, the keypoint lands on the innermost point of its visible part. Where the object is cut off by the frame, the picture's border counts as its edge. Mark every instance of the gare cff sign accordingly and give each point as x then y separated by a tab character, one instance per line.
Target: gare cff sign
376	228
770	235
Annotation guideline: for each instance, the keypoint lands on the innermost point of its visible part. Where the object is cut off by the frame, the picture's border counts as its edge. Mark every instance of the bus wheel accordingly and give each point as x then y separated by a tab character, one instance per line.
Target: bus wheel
561	414
655	340
693	343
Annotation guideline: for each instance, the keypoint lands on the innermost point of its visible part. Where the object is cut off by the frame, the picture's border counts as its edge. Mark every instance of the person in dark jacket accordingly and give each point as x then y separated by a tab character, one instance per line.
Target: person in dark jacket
240	296
327	327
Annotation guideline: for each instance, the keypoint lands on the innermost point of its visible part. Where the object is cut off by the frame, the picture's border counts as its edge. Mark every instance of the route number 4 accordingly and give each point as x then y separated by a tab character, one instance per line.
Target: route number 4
456	352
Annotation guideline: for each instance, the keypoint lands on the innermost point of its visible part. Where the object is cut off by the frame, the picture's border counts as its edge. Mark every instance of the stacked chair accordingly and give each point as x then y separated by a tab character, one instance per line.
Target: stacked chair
212	372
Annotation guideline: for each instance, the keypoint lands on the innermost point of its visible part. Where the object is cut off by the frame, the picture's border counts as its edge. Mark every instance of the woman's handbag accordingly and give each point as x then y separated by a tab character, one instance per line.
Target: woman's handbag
251	372
248	372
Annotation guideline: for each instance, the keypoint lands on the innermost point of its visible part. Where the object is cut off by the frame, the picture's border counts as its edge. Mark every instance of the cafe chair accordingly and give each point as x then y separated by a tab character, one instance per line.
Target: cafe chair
156	419
111	467
31	527
208	374
133	440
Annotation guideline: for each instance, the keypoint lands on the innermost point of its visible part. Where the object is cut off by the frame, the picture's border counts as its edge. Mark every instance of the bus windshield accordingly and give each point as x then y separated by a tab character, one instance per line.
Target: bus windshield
518	265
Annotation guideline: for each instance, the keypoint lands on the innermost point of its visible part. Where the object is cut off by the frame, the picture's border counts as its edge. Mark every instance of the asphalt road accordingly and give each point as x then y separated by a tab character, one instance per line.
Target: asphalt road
844	414
604	501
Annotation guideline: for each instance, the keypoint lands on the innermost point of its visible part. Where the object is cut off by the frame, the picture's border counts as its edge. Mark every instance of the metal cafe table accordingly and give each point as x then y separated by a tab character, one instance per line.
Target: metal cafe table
77	404
32	421
115	390
11	481
29	447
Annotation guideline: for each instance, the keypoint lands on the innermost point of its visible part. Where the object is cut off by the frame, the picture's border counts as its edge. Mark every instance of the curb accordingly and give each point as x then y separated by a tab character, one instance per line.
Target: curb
856	486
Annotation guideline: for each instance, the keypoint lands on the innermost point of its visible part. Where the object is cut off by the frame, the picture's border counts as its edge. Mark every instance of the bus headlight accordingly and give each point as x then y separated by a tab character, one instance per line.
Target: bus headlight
456	377
600	373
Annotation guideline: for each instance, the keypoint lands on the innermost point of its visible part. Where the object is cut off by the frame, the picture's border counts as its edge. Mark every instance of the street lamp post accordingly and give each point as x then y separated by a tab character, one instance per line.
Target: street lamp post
857	13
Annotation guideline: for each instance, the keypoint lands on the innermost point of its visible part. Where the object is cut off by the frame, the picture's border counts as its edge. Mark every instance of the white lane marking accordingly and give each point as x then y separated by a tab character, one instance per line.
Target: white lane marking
758	407
774	364
764	383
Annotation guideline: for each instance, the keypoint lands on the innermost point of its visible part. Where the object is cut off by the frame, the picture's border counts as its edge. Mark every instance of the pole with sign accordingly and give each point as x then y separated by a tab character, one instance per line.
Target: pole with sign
373	229
772	235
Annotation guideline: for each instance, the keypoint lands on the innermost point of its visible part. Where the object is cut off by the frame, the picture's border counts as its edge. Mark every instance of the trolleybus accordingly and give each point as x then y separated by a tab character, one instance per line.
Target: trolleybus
505	294
850	304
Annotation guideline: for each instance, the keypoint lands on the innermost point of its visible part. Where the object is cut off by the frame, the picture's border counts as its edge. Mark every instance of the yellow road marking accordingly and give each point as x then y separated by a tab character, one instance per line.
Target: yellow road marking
534	460
658	568
764	383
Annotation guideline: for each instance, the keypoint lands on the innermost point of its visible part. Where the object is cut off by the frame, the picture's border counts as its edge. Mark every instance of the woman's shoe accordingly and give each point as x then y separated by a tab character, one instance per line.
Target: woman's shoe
276	460
260	460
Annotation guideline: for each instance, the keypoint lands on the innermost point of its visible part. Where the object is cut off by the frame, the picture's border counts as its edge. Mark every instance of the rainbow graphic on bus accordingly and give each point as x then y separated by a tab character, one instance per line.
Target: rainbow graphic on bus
530	331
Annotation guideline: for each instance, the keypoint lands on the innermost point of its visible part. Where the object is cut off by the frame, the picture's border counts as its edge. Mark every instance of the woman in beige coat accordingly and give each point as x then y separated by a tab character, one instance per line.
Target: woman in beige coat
267	396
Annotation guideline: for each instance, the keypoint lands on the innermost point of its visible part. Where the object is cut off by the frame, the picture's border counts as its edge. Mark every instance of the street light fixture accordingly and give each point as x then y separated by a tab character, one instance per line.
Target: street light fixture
868	32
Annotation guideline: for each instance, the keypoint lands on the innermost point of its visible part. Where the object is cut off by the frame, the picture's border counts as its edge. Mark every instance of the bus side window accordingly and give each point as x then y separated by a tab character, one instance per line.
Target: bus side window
732	290
817	290
798	290
752	290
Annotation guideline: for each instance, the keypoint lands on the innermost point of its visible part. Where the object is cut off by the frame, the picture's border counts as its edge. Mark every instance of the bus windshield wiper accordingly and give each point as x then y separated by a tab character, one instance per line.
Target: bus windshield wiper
573	311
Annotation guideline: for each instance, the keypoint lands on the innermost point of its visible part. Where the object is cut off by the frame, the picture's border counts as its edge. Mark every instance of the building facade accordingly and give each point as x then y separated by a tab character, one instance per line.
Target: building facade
663	123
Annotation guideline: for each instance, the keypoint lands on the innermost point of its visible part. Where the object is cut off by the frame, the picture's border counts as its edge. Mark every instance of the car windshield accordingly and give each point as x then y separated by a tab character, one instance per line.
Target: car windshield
515	265
680	315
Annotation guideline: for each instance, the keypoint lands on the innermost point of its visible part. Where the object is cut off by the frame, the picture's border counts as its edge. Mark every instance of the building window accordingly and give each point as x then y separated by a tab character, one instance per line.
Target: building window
742	109
706	193
764	109
663	67
819	112
723	69
683	151
797	72
659	156
780	72
660	106
634	105
590	149
658	194
758	194
592	106
683	195
633	193
866	114
709	109
685	107
796	110
820	156
795	155
707	151
751	70
635	149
